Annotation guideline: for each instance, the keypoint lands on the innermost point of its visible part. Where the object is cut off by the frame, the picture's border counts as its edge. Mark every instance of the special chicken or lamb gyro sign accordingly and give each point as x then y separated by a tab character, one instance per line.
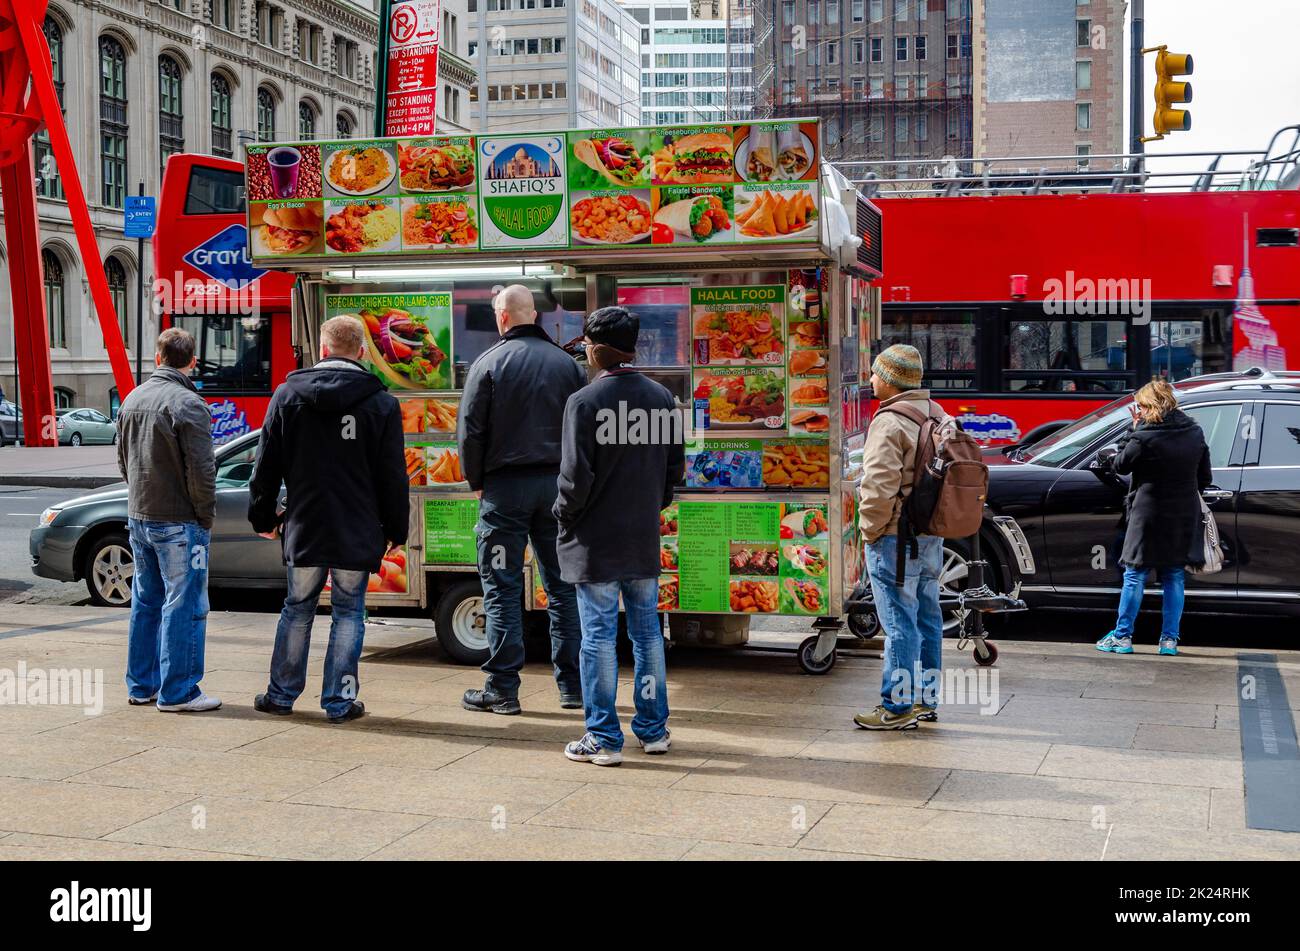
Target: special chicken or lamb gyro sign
606	189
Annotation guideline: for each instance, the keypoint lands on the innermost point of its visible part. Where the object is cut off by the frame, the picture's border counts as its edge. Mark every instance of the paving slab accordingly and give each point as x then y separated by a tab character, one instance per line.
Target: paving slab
51	757
463	839
353	745
22	847
547	761
1146	766
1136	711
59	808
1187	739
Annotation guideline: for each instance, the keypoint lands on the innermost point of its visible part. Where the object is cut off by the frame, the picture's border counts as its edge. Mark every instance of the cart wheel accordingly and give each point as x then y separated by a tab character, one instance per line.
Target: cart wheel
461	625
807	650
990	656
865	625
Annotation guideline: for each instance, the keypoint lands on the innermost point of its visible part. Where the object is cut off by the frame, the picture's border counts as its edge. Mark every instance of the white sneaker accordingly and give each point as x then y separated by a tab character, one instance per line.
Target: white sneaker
200	704
657	746
589	750
141	701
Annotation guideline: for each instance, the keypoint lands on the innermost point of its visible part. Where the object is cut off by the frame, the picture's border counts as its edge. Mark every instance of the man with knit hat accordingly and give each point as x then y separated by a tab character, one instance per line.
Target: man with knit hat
908	612
623	455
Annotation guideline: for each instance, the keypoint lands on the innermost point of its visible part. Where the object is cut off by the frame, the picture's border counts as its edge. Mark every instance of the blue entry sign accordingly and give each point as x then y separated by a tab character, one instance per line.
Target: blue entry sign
141	216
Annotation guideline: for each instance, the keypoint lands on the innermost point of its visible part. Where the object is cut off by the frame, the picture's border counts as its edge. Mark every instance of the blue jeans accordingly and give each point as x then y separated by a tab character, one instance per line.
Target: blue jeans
169	610
1171	600
912	619
516	508
293	638
598	604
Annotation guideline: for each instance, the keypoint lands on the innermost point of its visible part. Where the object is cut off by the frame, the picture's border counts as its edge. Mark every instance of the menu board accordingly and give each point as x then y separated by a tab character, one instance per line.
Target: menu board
684	186
809	358
449	531
744	557
408	336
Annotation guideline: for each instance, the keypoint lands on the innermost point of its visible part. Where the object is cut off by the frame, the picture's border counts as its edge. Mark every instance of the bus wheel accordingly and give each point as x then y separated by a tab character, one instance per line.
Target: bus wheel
461	624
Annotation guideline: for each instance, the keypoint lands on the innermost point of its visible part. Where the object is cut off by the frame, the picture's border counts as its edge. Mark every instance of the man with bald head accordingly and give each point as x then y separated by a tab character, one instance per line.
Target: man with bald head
510	429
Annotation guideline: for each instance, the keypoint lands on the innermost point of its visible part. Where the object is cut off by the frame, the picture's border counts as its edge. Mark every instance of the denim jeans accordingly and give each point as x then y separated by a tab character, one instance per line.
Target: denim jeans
293	638
598	604
516	508
1171	600
169	610
912	620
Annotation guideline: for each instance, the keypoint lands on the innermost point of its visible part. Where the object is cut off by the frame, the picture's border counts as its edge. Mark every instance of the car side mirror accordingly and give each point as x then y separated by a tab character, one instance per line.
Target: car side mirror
1103	465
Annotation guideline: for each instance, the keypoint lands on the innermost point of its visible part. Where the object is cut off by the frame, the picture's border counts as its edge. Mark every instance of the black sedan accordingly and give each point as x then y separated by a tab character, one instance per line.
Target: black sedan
1053	529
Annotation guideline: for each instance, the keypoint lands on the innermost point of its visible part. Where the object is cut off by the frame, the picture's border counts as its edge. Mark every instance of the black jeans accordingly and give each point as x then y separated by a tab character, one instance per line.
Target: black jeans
516	509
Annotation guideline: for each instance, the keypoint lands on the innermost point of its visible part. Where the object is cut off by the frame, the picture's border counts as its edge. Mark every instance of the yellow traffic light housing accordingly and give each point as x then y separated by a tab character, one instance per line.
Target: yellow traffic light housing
1170	92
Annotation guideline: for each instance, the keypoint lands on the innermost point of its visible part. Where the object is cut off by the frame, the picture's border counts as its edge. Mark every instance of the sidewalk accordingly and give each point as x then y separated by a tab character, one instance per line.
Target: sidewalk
72	467
1133	757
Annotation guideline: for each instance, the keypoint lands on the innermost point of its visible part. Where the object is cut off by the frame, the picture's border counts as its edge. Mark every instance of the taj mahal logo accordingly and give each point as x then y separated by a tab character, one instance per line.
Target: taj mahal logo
524	161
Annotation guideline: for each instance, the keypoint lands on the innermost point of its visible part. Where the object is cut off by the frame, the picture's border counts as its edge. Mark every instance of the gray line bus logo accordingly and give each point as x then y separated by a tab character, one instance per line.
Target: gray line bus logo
523	190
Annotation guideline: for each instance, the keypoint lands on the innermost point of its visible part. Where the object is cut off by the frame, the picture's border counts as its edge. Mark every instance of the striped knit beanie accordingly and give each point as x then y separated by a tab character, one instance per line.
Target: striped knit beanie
900	366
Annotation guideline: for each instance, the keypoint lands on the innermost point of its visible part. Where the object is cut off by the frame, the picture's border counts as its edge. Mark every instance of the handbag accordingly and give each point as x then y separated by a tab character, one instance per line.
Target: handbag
1210	544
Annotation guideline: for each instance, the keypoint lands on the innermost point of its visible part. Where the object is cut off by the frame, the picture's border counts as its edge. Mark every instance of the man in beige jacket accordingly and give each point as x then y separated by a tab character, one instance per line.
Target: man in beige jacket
908	612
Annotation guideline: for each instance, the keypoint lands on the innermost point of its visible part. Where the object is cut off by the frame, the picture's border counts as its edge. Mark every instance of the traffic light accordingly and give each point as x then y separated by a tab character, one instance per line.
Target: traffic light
1170	92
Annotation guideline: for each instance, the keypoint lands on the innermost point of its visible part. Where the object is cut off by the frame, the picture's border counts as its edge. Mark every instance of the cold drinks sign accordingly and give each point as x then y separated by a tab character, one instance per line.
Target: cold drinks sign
412	87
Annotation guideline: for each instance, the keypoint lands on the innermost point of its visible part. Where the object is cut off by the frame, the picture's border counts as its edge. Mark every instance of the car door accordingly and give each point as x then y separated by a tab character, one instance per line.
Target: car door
1226	431
98	428
237	551
1268	506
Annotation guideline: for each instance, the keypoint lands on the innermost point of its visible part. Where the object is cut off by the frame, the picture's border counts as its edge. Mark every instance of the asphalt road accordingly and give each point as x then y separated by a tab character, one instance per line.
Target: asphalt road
19	508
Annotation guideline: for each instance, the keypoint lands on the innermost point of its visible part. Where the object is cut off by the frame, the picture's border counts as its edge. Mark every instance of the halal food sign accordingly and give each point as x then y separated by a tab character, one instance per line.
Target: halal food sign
412	67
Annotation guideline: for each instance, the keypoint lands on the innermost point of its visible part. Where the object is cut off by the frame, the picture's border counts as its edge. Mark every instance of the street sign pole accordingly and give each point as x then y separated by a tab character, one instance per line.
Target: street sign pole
381	76
139	300
1136	121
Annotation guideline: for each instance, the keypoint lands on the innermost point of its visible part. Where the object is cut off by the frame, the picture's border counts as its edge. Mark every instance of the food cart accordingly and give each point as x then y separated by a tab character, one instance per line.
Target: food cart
749	263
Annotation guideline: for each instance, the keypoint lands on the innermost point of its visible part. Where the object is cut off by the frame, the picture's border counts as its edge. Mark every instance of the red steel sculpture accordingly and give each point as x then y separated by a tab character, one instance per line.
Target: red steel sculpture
28	98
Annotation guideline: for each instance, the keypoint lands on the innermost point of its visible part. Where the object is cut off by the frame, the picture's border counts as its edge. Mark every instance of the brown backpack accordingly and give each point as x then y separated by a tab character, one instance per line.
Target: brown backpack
949	482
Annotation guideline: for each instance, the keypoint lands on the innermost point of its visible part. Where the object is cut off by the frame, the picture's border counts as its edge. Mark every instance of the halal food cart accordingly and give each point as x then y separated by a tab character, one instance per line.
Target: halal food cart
747	260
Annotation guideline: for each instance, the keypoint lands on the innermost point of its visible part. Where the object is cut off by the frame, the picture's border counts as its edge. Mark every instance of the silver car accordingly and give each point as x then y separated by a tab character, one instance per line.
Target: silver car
11	423
84	427
86	537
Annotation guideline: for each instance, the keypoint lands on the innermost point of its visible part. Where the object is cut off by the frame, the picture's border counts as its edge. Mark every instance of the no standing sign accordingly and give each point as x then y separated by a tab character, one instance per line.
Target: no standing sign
412	80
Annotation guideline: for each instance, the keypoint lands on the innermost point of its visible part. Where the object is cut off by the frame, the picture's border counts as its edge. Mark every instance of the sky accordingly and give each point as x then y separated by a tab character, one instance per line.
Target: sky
1246	79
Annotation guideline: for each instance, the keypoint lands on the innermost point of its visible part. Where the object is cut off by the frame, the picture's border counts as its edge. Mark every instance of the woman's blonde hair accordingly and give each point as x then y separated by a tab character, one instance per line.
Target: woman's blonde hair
1155	401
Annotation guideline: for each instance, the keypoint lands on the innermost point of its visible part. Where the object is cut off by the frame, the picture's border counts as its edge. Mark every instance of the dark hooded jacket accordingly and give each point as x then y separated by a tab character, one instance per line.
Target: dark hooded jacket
333	436
1170	464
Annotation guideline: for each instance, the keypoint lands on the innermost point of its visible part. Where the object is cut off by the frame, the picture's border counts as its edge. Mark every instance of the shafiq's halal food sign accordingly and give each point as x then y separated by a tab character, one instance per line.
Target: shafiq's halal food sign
523	191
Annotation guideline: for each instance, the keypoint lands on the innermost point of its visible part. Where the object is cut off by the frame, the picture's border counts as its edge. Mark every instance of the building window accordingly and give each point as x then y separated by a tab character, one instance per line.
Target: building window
306	121
859	51
900	9
54	305
171	111
877	49
343	125
1082	150
265	115
112	121
1082	116
1083	32
922	128
953	48
877	10
221	128
900	49
116	275
64	398
1083	74
48	184
856	10
223	14
920	48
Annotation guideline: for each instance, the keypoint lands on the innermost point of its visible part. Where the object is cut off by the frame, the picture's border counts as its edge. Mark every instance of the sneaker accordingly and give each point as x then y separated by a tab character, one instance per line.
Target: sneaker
926	714
589	750
141	701
655	747
489	701
200	704
1115	645
570	701
355	712
262	705
882	719
1169	646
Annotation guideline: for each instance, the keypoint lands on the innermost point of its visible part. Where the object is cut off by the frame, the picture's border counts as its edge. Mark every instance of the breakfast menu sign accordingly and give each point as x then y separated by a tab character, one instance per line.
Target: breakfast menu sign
696	186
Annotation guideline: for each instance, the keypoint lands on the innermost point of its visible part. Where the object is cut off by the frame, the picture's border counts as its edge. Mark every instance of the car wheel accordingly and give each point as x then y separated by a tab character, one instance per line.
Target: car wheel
109	569
461	625
74	439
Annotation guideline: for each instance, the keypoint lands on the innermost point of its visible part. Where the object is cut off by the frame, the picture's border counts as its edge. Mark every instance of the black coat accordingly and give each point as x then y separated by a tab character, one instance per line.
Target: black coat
1170	464
333	436
614	482
512	409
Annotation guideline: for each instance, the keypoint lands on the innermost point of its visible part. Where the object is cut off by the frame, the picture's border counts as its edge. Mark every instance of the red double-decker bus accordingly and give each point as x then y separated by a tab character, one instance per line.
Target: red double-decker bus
240	315
1031	309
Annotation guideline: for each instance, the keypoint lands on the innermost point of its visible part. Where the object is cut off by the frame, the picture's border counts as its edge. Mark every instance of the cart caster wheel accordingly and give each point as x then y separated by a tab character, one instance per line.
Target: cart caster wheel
807	649
865	626
990	656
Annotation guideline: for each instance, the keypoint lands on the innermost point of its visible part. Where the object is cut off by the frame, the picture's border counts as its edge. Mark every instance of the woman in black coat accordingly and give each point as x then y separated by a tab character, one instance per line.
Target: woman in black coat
1169	462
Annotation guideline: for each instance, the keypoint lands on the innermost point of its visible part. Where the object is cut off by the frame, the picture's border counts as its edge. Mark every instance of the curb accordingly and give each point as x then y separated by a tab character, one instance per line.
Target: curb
47	480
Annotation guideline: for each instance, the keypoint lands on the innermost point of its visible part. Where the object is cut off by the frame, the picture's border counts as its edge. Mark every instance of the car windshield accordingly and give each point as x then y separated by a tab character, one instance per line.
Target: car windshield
1065	444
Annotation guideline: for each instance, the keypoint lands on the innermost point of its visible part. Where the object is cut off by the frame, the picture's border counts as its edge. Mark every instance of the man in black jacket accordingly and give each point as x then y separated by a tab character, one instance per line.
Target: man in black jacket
511	417
333	436
623	455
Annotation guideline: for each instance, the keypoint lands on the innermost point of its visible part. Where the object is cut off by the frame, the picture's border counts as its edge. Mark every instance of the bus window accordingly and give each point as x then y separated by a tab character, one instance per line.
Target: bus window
1189	341
945	338
1065	356
234	353
214	191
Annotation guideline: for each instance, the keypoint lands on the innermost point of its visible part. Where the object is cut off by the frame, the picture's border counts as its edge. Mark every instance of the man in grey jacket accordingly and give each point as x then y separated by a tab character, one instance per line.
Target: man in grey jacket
164	451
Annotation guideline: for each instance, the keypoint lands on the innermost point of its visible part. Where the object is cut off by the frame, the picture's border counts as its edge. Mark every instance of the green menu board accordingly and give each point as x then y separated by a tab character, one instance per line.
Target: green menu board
449	531
748	557
408	336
